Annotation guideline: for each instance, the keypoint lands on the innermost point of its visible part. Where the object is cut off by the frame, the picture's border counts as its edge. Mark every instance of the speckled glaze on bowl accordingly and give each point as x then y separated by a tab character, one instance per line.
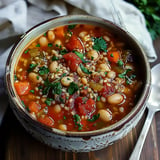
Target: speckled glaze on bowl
77	141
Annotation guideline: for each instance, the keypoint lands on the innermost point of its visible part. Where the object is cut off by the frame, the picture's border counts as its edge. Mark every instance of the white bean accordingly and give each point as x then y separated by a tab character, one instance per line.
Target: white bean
105	115
51	35
35	78
53	66
82	34
103	67
79	71
57	108
66	81
43	41
111	74
84	80
63	127
92	54
115	98
58	42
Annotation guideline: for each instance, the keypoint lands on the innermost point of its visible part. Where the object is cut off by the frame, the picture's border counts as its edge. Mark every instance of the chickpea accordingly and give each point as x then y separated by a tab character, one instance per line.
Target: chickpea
79	71
82	34
57	108
103	67
43	41
53	66
66	80
92	54
51	35
58	42
115	98
84	80
105	115
34	77
62	127
111	74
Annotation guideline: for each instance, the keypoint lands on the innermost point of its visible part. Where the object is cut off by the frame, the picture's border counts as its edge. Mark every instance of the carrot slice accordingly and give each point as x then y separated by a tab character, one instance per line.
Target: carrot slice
22	88
113	56
60	32
46	120
34	107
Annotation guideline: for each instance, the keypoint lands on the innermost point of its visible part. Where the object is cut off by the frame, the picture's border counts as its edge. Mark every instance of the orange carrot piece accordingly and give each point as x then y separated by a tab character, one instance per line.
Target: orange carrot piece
46	120
113	56
60	32
22	88
34	107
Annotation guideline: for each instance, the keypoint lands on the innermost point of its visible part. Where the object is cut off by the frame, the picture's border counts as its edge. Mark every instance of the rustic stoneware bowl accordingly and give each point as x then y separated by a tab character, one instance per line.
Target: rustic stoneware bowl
76	141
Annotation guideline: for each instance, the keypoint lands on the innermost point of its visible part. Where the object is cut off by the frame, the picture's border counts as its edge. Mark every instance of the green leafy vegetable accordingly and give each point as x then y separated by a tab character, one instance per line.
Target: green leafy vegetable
48	101
73	87
38	45
77	121
56	88
85	70
150	9
50	44
31	67
81	56
32	91
123	75
26	51
94	118
54	58
43	70
120	63
71	26
100	44
63	51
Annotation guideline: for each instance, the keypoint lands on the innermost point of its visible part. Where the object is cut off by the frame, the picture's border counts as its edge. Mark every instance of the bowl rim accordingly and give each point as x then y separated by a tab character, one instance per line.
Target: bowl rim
114	127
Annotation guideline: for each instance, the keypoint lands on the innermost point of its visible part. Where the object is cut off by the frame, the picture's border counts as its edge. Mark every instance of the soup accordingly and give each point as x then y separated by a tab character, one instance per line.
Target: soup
78	78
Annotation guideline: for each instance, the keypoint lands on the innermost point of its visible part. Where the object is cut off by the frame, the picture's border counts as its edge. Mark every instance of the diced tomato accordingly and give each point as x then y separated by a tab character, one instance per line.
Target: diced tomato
22	88
84	106
74	43
107	90
24	75
34	107
46	120
113	56
53	114
72	60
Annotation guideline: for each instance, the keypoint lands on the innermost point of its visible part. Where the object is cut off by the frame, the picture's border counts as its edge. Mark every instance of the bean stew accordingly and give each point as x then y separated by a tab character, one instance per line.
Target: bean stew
78	78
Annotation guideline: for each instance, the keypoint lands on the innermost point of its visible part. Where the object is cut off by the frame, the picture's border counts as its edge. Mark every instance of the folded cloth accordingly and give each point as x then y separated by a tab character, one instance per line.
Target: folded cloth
17	16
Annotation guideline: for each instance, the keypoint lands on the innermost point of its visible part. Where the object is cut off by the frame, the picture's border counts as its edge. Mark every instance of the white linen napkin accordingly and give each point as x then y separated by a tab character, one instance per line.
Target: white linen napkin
17	16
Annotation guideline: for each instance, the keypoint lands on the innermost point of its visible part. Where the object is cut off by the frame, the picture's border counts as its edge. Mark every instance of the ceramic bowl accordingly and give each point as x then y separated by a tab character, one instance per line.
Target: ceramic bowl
77	141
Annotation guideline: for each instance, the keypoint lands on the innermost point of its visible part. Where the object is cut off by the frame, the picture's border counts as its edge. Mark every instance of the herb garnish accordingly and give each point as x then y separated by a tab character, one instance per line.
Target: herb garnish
77	121
94	118
71	26
32	91
50	44
31	67
48	101
26	51
54	58
81	55
85	70
38	45
100	44
43	70
120	63
73	87
63	51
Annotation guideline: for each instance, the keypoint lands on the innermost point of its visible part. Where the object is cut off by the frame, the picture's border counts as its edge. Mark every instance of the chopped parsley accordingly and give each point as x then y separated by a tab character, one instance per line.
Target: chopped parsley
38	45
54	58
73	87
100	44
85	70
26	51
77	121
71	26
98	98
94	118
120	63
50	44
31	67
56	88
32	91
111	55
48	101
15	77
43	70
63	51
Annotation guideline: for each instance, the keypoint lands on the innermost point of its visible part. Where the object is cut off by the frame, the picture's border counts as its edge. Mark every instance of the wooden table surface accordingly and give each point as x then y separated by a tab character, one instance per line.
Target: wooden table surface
17	144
